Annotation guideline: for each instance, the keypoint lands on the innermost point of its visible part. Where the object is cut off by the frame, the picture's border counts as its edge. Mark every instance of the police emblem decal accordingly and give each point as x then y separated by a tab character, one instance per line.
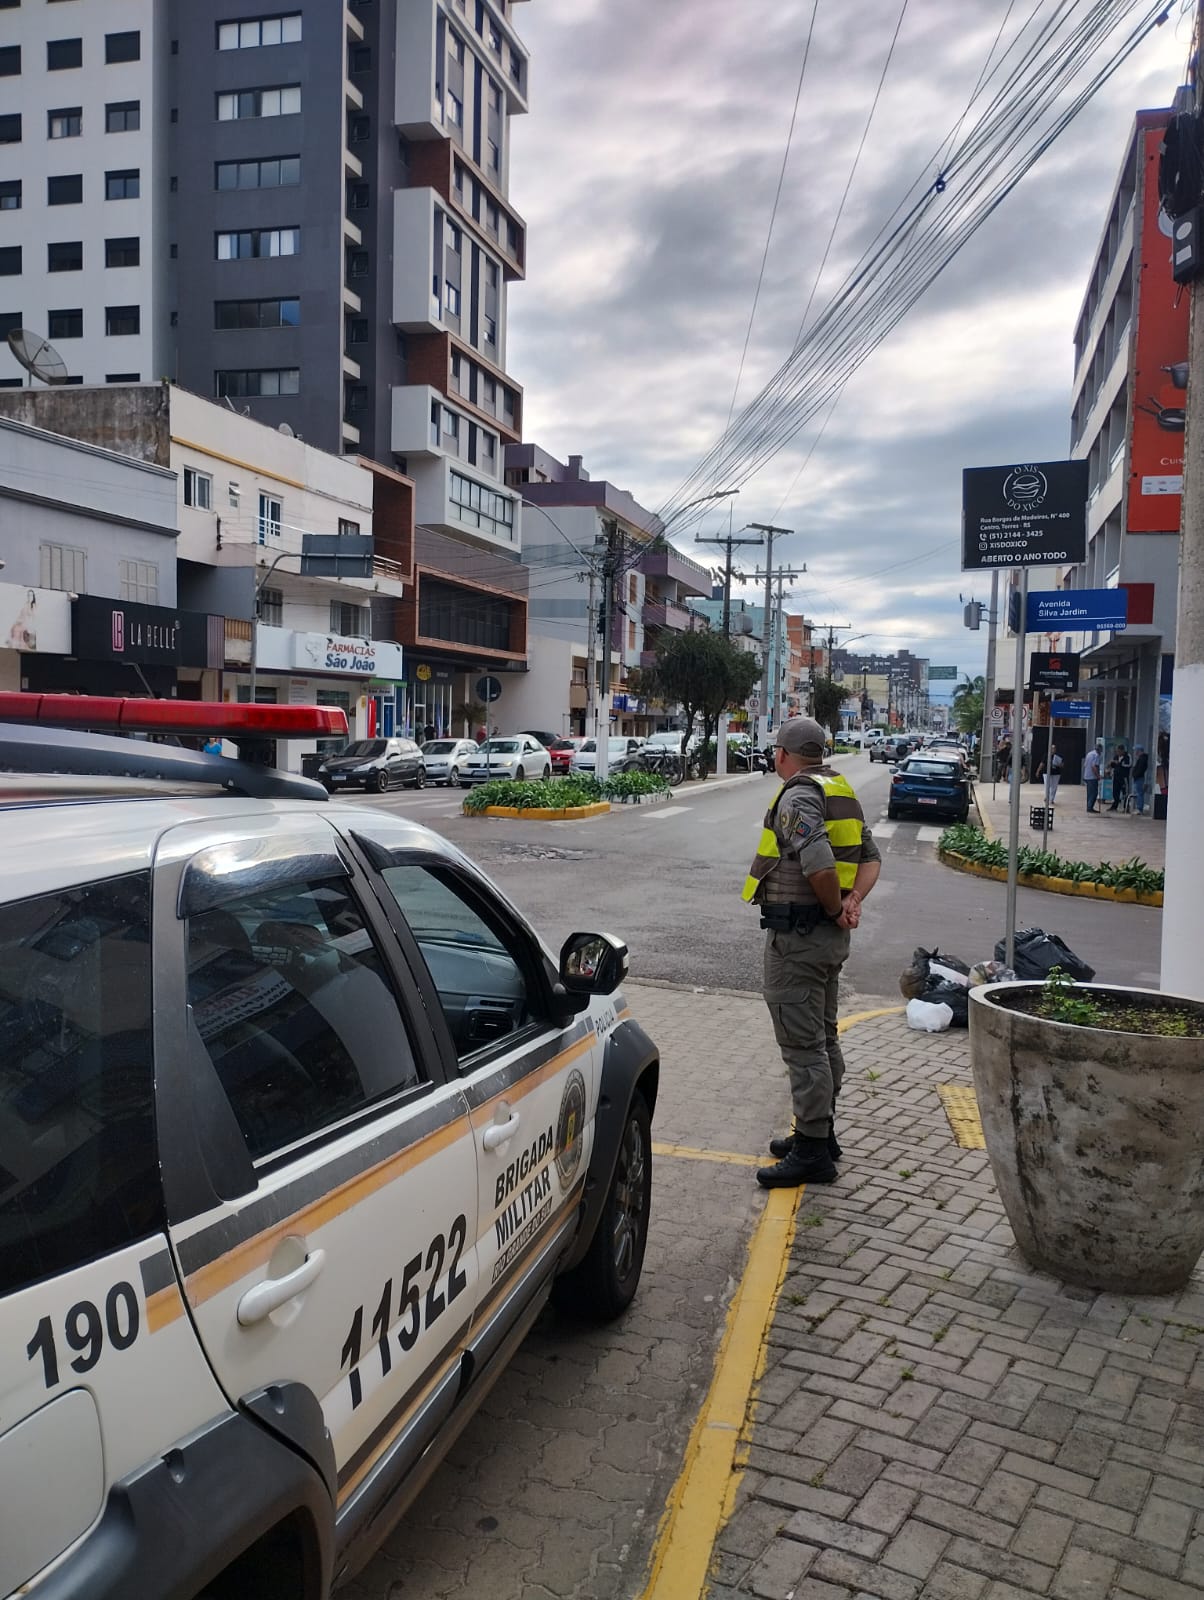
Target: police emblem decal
569	1128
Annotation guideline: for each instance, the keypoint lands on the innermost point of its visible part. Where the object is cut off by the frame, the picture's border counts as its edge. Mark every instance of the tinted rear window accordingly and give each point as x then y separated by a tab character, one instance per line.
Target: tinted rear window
78	1172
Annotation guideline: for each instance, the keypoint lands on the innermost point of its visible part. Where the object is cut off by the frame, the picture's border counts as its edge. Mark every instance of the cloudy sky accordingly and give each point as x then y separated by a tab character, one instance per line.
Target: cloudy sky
646	171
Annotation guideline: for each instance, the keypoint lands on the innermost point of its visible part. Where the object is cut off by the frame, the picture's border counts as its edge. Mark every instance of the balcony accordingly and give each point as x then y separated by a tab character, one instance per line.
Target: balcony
667	616
670	563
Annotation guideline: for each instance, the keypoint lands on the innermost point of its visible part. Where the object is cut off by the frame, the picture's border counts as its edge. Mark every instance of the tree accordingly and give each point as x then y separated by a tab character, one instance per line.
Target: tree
702	672
471	713
967	704
827	697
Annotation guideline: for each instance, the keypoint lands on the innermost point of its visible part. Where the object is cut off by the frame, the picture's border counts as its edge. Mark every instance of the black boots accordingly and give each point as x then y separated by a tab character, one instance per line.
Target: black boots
807	1161
781	1148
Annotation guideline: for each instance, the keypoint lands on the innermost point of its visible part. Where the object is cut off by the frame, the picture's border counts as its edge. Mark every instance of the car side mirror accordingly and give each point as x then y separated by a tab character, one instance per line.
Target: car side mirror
592	963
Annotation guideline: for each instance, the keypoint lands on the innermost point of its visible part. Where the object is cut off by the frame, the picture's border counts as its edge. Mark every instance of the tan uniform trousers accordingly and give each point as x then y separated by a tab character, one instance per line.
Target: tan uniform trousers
802	973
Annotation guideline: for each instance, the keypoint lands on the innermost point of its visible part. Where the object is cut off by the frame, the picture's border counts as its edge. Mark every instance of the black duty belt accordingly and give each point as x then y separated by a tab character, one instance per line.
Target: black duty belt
785	917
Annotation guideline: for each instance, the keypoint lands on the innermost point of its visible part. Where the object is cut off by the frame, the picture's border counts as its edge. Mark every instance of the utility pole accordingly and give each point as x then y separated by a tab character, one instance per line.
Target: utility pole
986	763
773	630
729	541
591	685
611	561
1183	897
768	529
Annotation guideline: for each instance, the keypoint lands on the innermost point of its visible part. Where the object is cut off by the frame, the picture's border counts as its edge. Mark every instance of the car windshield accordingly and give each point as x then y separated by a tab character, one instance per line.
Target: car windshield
670	739
362	749
935	769
565	744
499	747
587	745
439	747
617	744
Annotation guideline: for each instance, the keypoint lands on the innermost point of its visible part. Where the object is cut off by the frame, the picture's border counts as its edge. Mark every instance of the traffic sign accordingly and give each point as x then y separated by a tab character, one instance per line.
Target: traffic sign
1029	515
997	716
1077	610
489	689
1079	710
941	672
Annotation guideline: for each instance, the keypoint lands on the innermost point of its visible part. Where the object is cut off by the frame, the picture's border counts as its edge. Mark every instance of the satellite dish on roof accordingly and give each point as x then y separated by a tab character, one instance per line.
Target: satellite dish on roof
284	428
39	358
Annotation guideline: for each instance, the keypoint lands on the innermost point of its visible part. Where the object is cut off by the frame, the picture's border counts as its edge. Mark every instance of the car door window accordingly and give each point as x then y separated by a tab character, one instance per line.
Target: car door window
475	963
290	995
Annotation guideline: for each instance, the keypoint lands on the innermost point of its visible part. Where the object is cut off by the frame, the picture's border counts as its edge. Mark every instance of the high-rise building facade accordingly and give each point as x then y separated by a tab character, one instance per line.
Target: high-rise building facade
301	212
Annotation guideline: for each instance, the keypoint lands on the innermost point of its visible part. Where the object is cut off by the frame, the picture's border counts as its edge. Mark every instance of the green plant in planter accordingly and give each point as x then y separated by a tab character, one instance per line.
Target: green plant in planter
1061	1003
624	785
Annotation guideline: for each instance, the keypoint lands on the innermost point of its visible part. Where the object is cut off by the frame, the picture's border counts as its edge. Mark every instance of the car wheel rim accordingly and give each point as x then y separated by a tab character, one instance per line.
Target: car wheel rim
382	781
631	1198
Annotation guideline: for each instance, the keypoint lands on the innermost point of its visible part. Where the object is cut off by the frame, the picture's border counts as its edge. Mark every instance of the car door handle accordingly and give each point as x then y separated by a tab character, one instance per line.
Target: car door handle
273	1293
499	1133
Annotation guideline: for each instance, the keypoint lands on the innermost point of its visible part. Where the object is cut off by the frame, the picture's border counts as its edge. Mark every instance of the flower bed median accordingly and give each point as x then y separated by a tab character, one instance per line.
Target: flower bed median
560	799
967	849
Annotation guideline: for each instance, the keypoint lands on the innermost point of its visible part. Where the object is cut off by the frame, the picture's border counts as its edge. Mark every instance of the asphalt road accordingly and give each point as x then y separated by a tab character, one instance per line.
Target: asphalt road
667	878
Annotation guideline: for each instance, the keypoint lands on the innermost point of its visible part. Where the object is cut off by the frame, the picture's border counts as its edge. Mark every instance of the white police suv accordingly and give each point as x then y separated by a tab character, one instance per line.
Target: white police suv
300	1126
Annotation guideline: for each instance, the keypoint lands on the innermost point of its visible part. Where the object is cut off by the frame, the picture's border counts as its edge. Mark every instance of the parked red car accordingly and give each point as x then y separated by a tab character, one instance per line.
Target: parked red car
562	752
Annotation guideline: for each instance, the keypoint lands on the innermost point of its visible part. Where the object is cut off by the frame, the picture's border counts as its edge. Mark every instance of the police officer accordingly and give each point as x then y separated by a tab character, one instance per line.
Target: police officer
814	865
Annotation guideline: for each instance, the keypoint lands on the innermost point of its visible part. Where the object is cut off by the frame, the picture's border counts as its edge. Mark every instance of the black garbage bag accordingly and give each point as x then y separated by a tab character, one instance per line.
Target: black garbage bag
939	991
929	978
1038	953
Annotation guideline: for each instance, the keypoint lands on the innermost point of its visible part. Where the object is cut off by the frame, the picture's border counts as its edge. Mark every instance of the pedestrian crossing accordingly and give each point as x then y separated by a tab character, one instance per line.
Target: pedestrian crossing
924	834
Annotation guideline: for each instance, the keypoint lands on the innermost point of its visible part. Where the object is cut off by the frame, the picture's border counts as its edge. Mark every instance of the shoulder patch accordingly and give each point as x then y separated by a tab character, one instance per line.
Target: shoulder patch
799	829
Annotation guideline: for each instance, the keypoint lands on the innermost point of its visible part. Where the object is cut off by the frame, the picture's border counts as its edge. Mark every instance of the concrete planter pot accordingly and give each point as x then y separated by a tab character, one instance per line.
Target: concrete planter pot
1096	1140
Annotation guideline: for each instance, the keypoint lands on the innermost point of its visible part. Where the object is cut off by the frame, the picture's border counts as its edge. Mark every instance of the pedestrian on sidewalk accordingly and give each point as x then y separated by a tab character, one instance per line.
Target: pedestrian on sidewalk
1120	767
1141	766
815	864
1053	775
1091	777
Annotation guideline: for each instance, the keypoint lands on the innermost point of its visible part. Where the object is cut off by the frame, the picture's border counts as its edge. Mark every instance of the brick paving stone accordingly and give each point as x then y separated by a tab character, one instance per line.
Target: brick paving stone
1119	1485
812	1527
1152	1557
960	1520
1073	1505
1005	1496
953	1583
854	1470
935	1483
974	1460
885	1507
1165	1523
843	1567
1056	1477
916	1548
940	1428
780	1569
805	1497
1042	1536
1083	1575
1153	1586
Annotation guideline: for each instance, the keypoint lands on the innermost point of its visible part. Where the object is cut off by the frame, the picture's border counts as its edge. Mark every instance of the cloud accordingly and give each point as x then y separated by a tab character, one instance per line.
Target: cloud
647	168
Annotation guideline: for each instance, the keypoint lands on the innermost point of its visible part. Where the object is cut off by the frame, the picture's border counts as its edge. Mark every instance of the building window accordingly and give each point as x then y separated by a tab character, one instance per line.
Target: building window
262	31
63	53
492	216
122	320
348	529
453	238
139	581
359	129
275	172
63	567
479	507
123	47
10	195
490	330
123	116
123	252
65	124
10	261
451	296
67	190
359	197
450	424
357	330
10	128
271	516
353	622
258	242
65	324
254	382
8	321
355	399
361	58
234	494
10	60
123	377
494	156
198	489
455	109
491	274
281	102
122	185
271	607
257	313
455	46
65	257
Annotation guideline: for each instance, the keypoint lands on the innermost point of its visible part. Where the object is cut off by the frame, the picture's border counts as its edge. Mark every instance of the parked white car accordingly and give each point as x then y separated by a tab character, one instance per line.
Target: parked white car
446	760
517	755
622	752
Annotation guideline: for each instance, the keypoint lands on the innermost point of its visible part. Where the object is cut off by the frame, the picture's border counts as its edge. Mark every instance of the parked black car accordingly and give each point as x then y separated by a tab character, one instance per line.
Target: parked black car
938	788
377	764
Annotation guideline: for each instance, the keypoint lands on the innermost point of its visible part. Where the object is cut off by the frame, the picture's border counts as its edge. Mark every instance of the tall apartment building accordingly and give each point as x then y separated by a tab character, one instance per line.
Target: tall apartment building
1130	349
84	257
302	213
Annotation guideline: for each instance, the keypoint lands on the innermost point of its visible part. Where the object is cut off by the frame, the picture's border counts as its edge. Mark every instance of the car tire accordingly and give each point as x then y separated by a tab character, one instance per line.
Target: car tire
963	816
454	779
605	1282
892	813
520	775
547	771
420	780
381	781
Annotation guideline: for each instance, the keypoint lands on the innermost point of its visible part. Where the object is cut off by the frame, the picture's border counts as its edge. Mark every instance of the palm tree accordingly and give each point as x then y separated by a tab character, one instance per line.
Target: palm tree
968	704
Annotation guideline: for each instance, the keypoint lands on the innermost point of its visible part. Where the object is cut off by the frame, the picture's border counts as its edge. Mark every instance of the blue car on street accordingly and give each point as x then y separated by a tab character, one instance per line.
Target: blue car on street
934	787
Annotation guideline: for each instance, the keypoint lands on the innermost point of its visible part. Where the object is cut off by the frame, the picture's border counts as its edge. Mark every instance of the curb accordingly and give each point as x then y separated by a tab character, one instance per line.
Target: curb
1035	880
541	813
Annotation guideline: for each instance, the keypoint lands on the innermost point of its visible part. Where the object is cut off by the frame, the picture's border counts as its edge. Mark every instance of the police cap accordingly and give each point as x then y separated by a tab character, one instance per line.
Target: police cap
802	736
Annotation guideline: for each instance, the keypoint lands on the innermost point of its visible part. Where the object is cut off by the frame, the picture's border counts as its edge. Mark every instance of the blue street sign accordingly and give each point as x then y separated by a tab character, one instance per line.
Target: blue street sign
1071	708
1077	610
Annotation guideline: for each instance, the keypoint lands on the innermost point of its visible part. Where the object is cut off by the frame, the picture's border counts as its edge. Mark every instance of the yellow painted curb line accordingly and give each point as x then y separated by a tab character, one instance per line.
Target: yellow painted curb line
543	813
689	1153
1036	880
685	1542
987	826
704	1495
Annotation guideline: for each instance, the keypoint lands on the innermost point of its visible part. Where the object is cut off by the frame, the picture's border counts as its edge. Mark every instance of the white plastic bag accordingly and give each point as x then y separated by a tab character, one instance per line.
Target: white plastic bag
928	1017
937	969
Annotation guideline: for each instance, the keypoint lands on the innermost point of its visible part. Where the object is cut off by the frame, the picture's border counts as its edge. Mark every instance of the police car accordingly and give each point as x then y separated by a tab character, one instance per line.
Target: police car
300	1127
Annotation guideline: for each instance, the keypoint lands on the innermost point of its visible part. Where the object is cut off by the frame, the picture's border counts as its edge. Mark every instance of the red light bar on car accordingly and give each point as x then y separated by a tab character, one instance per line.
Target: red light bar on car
114	714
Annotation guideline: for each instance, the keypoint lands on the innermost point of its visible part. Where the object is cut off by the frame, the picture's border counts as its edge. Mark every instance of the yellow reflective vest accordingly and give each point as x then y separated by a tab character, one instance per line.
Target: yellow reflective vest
843	824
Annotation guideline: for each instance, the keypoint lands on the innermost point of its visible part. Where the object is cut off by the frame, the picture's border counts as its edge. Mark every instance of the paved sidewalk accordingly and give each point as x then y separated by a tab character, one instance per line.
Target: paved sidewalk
1077	835
937	1421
